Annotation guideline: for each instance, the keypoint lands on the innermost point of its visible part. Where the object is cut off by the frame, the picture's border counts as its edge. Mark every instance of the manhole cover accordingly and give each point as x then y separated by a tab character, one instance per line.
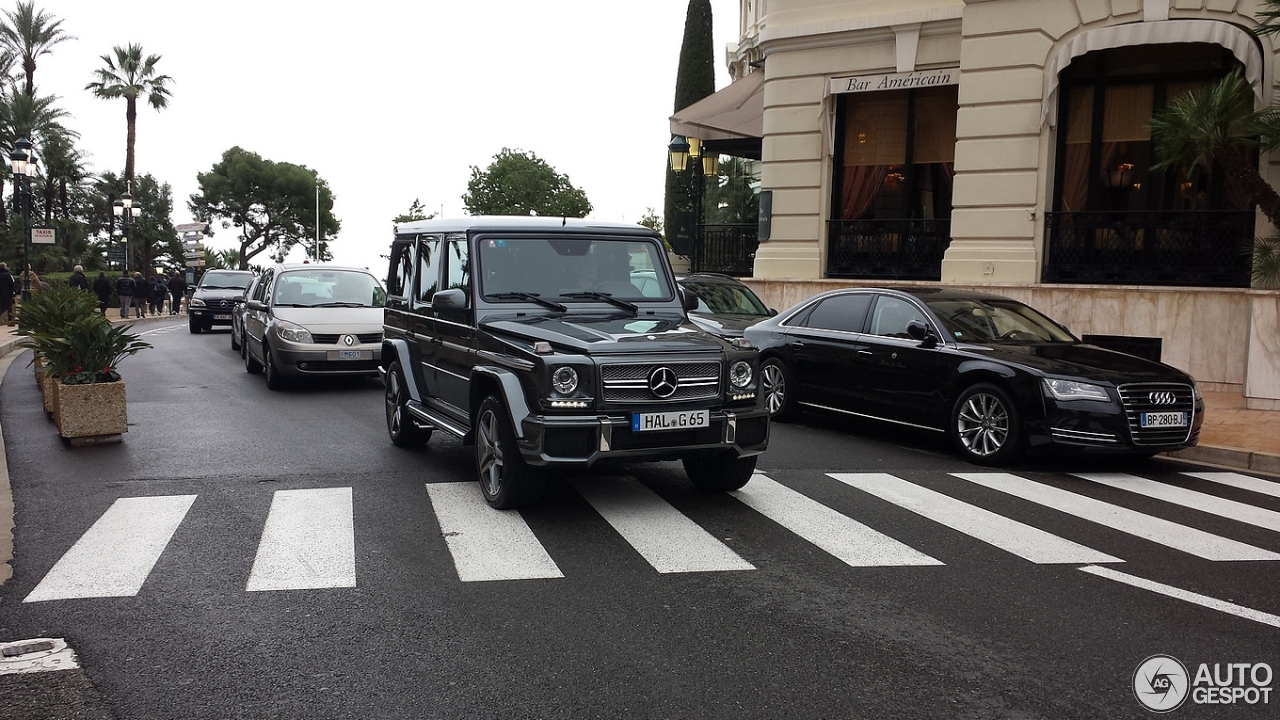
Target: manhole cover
36	655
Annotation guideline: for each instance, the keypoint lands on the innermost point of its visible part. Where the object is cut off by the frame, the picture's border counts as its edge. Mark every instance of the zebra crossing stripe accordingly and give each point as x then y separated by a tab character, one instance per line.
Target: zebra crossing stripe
1243	482
1026	542
1204	502
665	537
114	556
487	544
848	540
308	542
1157	530
1186	595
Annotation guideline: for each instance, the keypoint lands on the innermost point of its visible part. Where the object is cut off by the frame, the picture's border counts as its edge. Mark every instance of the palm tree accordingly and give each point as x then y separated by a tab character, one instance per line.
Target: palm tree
128	75
26	116
27	35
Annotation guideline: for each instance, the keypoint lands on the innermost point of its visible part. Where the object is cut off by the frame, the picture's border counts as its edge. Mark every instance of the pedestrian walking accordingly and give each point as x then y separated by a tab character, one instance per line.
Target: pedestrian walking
77	279
7	291
30	279
140	295
124	289
155	295
177	286
102	288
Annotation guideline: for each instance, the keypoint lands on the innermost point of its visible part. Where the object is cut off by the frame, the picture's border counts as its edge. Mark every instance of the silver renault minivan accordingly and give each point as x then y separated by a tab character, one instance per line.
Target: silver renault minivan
313	320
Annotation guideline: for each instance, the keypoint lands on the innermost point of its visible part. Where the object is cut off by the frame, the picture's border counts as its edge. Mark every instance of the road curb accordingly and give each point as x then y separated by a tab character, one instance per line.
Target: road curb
1255	461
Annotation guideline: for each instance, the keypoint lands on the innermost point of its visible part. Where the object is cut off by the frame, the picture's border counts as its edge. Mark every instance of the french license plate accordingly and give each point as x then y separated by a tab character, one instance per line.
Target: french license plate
349	355
644	422
221	317
1163	419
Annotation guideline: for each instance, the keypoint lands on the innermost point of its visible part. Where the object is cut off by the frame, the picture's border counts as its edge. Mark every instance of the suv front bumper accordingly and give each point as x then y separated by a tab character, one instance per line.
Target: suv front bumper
585	440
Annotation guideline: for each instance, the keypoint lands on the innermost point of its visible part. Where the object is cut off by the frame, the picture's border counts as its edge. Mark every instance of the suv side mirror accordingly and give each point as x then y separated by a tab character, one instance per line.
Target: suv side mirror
688	300
919	331
451	299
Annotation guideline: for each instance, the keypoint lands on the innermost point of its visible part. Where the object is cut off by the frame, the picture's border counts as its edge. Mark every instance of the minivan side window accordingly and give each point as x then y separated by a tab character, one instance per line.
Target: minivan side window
400	274
458	263
260	292
428	267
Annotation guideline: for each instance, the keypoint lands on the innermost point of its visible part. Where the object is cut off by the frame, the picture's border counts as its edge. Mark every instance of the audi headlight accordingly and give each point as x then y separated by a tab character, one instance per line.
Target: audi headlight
740	374
195	302
565	380
293	333
1072	390
1195	391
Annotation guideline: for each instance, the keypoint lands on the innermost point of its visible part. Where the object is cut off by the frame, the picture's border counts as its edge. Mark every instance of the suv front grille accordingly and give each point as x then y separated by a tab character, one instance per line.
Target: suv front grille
327	339
630	383
1137	399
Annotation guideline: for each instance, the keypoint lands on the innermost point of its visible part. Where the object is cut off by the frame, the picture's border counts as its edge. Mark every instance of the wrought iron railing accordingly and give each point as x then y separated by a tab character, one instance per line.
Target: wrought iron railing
888	249
1208	249
727	249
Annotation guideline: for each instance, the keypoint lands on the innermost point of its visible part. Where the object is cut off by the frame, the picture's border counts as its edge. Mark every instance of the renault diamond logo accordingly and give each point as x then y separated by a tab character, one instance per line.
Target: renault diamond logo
663	382
348	340
1162	398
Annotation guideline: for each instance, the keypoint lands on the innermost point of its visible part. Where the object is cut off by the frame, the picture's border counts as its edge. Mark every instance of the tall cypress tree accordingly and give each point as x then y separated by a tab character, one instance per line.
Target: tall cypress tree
695	79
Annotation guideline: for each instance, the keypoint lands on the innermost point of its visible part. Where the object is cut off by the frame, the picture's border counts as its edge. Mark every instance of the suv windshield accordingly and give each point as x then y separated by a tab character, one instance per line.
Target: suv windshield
328	288
996	321
571	269
721	298
225	281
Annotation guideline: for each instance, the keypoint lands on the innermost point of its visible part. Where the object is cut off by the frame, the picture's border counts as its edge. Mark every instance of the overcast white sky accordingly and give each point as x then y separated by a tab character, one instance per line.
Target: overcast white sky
389	101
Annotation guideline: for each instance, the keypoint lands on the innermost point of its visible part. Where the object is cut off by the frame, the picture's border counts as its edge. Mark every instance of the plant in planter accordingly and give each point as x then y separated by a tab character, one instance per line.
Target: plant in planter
88	395
47	312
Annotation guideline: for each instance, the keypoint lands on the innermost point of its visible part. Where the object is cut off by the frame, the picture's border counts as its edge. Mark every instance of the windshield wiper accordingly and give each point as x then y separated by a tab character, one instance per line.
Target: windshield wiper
593	295
342	304
552	304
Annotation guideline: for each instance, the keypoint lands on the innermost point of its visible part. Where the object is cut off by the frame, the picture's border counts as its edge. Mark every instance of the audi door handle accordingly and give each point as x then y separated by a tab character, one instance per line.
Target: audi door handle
865	352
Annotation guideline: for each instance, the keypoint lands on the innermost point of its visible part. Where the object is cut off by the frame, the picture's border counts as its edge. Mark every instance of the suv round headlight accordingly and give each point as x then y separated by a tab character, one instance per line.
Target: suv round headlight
740	374
565	380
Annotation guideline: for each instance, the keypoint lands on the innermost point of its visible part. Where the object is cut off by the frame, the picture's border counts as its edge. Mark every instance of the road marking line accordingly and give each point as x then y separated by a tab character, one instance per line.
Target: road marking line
665	537
848	540
1026	542
114	556
1243	482
1157	530
308	542
1186	595
1203	502
487	544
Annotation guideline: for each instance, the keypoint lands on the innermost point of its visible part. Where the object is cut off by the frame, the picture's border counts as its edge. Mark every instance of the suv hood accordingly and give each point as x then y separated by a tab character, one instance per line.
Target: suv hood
333	319
213	297
602	334
1083	361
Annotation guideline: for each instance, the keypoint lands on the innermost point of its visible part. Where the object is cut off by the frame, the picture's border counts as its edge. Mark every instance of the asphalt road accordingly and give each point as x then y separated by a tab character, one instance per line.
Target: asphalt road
910	596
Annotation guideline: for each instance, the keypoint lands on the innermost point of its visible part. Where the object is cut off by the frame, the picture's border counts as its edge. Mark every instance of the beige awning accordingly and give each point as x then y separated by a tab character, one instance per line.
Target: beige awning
734	112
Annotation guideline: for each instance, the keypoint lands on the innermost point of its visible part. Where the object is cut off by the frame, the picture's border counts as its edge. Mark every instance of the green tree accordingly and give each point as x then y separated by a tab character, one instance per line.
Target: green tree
274	204
26	34
732	197
650	220
29	117
128	75
416	212
520	183
153	240
695	79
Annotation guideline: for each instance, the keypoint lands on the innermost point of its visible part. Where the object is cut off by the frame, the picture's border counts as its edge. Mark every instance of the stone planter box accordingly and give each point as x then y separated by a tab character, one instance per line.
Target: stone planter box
96	410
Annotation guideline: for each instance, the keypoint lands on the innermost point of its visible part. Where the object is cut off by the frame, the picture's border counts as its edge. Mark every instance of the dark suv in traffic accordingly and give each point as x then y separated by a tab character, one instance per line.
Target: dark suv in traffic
527	337
215	297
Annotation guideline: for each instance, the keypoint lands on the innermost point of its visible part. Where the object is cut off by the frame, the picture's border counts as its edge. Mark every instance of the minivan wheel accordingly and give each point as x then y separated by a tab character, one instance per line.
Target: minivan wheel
779	390
720	472
235	342
270	370
506	480
403	430
985	427
251	366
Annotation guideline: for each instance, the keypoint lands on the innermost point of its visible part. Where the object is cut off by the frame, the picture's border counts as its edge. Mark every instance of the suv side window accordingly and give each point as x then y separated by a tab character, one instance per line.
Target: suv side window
457	263
428	267
400	274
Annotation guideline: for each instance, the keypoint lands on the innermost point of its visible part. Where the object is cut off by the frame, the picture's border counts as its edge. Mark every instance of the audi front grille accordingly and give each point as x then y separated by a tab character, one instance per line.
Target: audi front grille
1138	398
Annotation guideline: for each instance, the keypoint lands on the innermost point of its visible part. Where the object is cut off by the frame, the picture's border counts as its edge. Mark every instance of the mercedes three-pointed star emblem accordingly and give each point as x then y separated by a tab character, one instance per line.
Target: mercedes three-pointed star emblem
663	382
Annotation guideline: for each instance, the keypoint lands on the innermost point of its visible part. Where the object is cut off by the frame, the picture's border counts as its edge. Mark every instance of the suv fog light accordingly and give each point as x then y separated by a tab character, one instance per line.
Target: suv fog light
565	380
302	366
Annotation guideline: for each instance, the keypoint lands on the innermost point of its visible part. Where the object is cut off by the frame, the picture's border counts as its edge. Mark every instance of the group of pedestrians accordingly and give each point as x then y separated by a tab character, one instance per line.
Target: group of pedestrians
150	293
11	288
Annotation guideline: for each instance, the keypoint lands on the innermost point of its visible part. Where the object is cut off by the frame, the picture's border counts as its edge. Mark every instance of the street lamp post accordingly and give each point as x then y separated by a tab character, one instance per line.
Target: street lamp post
23	164
682	150
125	210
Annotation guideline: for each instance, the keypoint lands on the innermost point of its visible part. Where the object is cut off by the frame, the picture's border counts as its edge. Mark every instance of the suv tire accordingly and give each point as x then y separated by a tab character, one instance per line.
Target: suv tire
720	472
251	366
403	430
270	370
506	480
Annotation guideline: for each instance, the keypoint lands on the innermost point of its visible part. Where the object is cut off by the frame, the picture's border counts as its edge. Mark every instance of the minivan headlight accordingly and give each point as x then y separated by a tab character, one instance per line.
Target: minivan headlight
1072	390
740	374
293	333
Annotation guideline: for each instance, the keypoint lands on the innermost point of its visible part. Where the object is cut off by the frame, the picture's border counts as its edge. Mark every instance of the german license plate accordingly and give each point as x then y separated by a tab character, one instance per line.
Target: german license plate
349	355
645	422
221	317
1163	419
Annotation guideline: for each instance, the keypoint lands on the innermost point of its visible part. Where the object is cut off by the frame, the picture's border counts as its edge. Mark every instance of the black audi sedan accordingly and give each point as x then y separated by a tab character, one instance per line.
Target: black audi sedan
995	375
726	307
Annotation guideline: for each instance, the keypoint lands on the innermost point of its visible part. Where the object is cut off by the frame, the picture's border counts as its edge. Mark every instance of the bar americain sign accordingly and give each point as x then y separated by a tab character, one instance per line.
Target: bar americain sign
895	81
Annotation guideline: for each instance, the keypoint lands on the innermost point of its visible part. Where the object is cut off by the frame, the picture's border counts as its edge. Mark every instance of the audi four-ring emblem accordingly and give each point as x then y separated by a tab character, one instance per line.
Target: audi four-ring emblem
663	382
1162	398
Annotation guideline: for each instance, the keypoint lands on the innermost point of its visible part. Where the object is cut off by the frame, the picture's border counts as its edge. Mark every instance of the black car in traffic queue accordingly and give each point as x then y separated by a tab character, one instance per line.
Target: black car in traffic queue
215	297
995	375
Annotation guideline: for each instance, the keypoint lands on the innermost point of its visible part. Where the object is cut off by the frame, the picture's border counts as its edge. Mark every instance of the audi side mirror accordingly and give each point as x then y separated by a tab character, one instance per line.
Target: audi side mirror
919	331
451	299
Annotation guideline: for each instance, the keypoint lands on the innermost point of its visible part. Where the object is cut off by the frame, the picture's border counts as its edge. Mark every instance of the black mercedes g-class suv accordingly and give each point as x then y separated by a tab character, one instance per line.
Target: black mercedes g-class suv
527	337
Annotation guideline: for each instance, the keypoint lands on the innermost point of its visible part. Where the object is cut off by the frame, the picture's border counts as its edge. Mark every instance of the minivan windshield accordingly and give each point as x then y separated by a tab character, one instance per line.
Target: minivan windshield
327	288
570	269
214	280
996	321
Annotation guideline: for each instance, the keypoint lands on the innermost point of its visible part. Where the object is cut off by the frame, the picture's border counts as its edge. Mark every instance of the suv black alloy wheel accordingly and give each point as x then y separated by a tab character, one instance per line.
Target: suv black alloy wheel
403	430
505	478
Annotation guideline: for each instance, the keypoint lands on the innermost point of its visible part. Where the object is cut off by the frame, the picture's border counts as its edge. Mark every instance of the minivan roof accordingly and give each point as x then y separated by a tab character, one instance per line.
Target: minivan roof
512	223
